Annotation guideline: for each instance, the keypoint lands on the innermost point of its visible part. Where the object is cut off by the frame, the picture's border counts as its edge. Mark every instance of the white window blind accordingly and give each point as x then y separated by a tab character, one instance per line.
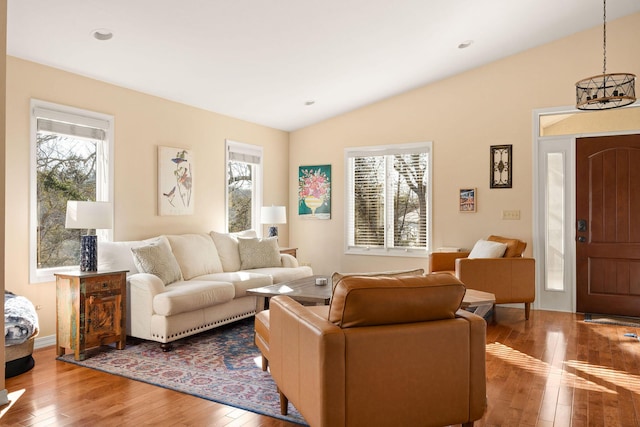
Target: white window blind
388	205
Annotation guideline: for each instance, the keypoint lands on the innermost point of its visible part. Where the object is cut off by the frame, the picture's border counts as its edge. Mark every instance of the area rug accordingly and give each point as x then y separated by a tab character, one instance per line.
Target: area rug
221	365
605	319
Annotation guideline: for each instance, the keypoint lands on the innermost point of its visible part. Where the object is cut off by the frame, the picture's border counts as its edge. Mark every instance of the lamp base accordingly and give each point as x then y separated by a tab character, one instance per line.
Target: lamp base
273	231
89	253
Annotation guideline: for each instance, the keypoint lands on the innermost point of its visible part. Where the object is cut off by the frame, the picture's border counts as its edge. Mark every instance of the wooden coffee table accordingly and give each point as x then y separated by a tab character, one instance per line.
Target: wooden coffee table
478	302
302	290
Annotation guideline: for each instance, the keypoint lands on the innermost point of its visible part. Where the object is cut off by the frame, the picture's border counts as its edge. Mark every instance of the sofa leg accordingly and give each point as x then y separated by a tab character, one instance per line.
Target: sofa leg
284	403
166	346
527	310
469	424
265	363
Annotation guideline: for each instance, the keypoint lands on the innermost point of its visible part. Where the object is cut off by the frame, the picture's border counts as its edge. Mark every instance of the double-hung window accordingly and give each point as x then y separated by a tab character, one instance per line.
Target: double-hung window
71	159
388	206
244	186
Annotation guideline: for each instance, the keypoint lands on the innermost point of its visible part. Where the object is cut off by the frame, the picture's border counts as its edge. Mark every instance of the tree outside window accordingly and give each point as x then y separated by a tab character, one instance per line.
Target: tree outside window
389	191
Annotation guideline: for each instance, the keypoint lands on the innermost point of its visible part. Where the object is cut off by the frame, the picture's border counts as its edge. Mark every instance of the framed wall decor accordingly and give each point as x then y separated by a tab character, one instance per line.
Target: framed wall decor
468	200
501	165
314	192
175	181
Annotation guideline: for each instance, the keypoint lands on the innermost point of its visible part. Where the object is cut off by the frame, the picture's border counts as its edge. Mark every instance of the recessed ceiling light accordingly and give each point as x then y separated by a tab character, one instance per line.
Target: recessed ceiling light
308	103
102	34
465	44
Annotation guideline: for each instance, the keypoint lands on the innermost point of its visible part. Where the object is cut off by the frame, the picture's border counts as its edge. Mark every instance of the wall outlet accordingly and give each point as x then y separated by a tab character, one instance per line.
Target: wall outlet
512	214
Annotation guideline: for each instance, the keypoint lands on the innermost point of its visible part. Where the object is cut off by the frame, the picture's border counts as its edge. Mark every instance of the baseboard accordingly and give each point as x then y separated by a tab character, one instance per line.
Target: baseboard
41	342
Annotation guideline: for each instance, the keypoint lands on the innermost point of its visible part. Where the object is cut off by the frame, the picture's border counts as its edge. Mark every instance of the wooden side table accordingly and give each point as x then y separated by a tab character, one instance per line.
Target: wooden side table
90	310
290	251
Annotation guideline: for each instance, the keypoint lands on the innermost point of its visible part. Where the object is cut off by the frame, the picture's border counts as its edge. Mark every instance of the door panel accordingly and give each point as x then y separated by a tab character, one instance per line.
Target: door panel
608	249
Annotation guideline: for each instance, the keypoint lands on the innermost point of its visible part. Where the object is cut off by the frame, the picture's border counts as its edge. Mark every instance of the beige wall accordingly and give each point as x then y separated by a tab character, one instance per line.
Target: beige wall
142	122
463	116
3	84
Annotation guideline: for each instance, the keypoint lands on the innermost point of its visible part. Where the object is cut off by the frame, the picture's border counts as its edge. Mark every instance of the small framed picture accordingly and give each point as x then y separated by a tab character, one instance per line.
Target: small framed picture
468	200
500	166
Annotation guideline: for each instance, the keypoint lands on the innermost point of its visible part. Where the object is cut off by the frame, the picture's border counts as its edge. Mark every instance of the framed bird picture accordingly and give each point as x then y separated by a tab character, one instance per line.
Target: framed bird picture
175	181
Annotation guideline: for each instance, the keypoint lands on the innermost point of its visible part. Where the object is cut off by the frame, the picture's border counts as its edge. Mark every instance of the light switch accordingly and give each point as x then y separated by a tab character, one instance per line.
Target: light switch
511	214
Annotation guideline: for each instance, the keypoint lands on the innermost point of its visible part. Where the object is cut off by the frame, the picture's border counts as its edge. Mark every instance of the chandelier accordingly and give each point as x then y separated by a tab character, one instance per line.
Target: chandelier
605	91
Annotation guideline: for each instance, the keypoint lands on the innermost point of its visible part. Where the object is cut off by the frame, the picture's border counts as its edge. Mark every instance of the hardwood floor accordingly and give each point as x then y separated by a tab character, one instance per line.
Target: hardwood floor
552	370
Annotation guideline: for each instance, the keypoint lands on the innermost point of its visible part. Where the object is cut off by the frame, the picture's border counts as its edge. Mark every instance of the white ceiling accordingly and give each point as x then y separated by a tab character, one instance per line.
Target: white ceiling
262	60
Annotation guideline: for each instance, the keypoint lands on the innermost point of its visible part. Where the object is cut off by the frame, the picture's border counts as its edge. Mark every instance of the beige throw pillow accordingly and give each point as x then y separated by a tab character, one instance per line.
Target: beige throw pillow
156	258
259	253
227	245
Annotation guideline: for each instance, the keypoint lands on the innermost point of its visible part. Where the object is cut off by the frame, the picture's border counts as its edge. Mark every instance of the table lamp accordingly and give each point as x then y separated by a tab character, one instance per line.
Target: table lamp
89	216
273	215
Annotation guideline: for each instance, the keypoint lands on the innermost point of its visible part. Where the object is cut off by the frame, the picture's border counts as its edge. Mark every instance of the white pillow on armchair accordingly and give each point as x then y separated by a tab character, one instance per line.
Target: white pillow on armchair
487	249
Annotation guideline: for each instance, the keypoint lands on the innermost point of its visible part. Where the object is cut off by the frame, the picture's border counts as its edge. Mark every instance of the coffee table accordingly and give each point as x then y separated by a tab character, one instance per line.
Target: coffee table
302	290
478	302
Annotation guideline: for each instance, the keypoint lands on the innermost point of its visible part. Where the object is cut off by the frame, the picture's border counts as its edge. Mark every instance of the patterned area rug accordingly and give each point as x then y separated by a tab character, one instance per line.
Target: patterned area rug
221	365
612	320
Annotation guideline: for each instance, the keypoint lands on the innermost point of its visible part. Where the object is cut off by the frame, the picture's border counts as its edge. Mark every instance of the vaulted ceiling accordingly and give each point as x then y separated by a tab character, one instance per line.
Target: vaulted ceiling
289	63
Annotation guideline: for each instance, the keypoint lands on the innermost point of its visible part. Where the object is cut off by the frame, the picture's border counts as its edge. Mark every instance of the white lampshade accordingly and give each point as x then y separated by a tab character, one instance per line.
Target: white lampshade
89	215
273	215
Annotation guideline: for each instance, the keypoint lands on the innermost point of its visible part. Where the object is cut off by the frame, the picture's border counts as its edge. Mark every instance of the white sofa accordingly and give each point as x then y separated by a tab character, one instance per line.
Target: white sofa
179	285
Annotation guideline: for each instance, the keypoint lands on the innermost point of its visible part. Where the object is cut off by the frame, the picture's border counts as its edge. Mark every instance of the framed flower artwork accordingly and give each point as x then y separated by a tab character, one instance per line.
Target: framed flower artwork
314	192
500	175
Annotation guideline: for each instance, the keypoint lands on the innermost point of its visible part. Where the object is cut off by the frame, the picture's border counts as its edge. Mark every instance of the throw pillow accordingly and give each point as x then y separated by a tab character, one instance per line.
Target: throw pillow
227	245
487	249
156	258
259	253
515	247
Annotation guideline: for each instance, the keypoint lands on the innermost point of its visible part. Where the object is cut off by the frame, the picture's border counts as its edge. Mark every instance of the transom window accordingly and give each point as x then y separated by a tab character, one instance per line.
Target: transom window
388	209
70	160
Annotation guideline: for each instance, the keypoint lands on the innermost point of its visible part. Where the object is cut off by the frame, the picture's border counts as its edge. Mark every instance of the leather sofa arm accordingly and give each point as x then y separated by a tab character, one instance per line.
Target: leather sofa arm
511	280
444	261
301	346
477	373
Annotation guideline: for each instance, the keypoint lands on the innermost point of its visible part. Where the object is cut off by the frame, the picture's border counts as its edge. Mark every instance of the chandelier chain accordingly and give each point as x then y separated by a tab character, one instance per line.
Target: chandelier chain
604	38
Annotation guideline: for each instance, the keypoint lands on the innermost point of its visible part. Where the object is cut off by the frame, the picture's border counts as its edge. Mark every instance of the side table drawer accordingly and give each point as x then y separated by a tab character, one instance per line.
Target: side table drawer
102	284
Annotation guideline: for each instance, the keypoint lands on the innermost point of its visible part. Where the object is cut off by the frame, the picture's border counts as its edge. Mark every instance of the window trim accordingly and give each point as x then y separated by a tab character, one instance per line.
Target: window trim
380	150
249	150
39	108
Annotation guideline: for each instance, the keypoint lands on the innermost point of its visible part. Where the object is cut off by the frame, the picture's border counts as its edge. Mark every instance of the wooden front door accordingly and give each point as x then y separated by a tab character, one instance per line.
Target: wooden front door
608	225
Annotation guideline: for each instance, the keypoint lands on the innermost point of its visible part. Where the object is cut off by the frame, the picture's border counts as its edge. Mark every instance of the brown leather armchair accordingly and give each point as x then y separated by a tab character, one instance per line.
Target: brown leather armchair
510	278
388	351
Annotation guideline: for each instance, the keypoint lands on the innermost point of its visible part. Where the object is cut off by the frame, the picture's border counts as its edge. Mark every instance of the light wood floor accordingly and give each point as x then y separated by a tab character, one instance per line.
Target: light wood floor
552	370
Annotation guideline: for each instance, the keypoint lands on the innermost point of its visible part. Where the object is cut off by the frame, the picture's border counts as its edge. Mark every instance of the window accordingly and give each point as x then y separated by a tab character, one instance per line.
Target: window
70	160
244	186
388	209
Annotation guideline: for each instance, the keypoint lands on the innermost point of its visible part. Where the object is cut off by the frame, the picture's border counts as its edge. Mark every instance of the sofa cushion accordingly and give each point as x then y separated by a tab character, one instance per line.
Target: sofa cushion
487	249
227	245
241	280
114	256
336	277
259	253
368	300
515	247
156	258
278	274
196	254
185	296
